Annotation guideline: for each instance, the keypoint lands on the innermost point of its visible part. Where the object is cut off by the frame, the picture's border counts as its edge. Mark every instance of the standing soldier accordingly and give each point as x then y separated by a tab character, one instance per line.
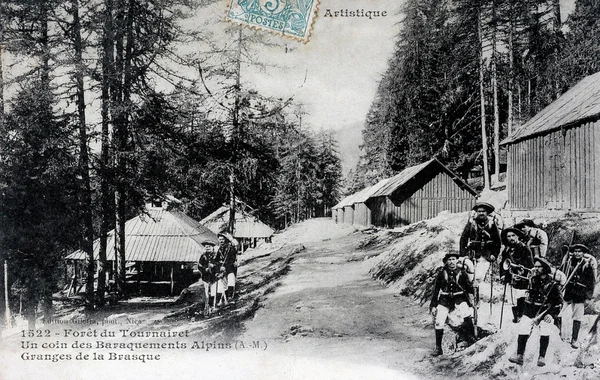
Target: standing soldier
227	257
517	261
541	307
208	273
535	238
452	300
480	241
579	287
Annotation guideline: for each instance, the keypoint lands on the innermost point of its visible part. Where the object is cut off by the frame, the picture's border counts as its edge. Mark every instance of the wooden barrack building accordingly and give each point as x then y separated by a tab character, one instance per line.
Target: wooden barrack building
554	158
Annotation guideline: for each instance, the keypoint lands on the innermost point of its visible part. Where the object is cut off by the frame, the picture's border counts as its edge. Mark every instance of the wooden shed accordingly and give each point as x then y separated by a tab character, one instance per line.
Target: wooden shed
247	228
417	193
337	211
554	158
362	213
162	248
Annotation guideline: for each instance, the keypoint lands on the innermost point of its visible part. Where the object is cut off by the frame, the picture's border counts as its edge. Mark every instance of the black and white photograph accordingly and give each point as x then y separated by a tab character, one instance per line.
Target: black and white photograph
299	189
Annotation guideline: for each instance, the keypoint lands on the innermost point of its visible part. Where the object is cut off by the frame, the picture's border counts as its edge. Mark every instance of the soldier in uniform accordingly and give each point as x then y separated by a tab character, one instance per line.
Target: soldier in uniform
227	258
480	241
517	261
542	306
535	238
451	300
579	287
207	266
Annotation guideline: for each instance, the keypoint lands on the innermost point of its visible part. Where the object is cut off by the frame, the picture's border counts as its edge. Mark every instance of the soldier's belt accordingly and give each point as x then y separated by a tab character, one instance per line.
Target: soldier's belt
534	303
451	294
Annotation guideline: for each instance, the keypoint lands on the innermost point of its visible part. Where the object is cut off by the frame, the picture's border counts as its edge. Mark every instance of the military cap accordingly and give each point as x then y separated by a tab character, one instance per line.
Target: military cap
545	263
487	206
208	242
581	247
449	255
514	230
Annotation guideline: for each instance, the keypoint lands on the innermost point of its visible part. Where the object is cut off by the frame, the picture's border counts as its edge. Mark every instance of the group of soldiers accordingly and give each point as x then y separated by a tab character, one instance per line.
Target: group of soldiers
218	272
539	291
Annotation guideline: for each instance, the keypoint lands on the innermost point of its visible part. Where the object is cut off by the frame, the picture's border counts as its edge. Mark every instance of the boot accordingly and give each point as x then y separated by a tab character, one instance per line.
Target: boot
575	334
516	318
521	344
229	293
439	334
521	306
469	330
544	341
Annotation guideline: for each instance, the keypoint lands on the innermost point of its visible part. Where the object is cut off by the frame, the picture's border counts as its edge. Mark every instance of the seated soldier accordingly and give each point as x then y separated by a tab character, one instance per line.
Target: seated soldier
542	306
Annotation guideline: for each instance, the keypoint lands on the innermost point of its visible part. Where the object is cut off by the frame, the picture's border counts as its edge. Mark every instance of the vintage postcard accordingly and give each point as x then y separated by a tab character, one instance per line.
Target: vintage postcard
299	189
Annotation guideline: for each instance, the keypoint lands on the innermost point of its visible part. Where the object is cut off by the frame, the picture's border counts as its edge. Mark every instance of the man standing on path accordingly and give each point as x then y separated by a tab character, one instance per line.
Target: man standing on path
535	238
208	274
542	305
517	261
579	288
227	257
480	241
451	300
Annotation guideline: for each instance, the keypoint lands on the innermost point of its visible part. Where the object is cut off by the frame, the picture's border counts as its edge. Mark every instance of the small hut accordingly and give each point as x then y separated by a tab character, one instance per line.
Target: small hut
417	193
161	249
554	158
248	228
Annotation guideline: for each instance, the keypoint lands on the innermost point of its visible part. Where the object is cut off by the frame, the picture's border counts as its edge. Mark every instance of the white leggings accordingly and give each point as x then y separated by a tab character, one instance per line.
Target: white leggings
455	317
525	327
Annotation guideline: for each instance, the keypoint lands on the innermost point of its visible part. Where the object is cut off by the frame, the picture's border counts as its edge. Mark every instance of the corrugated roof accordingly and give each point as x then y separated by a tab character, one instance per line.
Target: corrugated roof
387	186
343	202
246	225
581	102
157	235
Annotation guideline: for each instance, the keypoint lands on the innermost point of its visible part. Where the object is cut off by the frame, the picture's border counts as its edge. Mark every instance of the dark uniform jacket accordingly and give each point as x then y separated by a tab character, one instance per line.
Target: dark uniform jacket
518	254
581	286
208	273
227	256
543	297
477	241
451	288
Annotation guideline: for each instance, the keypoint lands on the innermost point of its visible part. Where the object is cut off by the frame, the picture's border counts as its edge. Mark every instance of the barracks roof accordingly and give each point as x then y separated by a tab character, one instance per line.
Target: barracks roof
246	224
402	178
579	104
387	186
157	235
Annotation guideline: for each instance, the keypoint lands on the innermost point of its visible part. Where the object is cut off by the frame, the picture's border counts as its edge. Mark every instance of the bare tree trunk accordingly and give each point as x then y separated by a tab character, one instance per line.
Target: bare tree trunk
84	161
119	109
486	171
107	74
236	133
511	70
495	92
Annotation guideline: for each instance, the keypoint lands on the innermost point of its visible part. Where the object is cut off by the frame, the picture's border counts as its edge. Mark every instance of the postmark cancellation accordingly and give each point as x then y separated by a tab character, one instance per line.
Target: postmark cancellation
290	18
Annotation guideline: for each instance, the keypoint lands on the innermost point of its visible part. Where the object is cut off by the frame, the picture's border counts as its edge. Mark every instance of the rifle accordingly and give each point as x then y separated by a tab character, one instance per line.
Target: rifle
502	307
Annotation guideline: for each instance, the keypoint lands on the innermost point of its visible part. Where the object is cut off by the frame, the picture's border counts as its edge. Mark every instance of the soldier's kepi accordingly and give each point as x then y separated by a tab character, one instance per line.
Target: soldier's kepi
451	301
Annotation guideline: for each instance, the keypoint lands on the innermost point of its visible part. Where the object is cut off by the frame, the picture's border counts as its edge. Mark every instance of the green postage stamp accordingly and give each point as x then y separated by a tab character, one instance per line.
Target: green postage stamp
292	18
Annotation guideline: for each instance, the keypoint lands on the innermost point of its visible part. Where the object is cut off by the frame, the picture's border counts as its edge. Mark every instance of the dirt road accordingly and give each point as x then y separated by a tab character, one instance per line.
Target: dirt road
329	310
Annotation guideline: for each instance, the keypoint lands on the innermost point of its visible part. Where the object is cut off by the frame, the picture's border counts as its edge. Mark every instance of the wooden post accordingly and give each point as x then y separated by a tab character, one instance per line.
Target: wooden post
172	278
6	303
